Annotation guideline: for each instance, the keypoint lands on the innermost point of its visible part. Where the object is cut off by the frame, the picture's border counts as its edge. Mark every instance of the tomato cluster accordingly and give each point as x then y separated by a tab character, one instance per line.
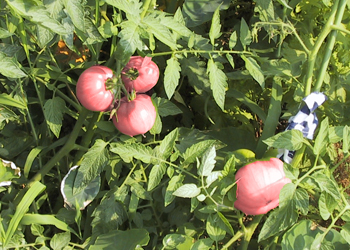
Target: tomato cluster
98	89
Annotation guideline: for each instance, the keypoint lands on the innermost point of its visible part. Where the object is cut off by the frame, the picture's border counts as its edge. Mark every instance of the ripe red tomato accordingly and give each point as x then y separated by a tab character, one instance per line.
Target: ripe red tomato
258	186
91	88
135	117
140	74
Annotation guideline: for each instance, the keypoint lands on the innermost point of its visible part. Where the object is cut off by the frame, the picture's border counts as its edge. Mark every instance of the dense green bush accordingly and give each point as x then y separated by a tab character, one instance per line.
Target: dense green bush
231	75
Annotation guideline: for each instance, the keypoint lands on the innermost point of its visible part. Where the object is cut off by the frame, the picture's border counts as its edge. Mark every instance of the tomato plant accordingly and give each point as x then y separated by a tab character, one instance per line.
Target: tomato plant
91	88
135	116
140	74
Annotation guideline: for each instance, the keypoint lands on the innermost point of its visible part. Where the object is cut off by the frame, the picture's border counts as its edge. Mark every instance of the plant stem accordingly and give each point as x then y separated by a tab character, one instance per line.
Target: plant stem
90	131
330	45
145	8
68	146
249	231
313	55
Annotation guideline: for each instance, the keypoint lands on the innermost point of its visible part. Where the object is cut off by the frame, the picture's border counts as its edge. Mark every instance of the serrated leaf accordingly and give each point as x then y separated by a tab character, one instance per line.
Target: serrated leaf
327	184
132	8
187	191
218	83
108	215
129	151
167	145
44	36
91	34
254	70
245	35
138	189
75	10
36	13
174	183
155	176
8	100
291	140
94	161
10	67
208	162
196	150
215	27
54	110
202	244
60	240
161	32
195	70
171	76
322	140
129	37
166	107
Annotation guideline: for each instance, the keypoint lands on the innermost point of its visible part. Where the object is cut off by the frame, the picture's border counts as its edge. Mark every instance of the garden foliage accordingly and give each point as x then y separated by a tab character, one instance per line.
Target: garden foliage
231	75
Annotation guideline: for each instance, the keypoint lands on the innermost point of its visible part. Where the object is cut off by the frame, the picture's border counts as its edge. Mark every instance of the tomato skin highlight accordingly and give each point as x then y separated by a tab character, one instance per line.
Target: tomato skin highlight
91	88
140	74
135	117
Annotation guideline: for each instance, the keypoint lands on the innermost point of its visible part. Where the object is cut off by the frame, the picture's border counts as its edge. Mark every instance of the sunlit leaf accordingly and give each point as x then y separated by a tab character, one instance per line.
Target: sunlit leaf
171	76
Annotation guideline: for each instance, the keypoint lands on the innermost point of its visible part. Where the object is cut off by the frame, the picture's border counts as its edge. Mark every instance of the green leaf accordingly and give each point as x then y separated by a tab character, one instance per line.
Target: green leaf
75	10
126	240
218	83
187	191
10	67
84	196
202	244
167	145
129	151
155	176
108	215
4	33
245	35
195	70
197	12
346	139
196	150
233	40
166	107
44	36
132	8
227	223
254	70
285	4
129	38
175	23
30	158
303	234
327	184
46	219
60	240
161	32
174	183
282	217
138	189
322	205
8	172
322	140
291	140
35	12
214	227
249	103
177	241
171	76
35	189
208	162
54	110
301	199
215	27
91	166
91	34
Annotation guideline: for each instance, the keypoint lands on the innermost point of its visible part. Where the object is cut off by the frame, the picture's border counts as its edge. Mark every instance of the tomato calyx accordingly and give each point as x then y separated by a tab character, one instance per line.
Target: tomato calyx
131	73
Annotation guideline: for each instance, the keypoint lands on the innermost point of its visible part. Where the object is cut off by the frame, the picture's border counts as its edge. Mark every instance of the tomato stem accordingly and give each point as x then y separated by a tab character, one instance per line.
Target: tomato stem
131	73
